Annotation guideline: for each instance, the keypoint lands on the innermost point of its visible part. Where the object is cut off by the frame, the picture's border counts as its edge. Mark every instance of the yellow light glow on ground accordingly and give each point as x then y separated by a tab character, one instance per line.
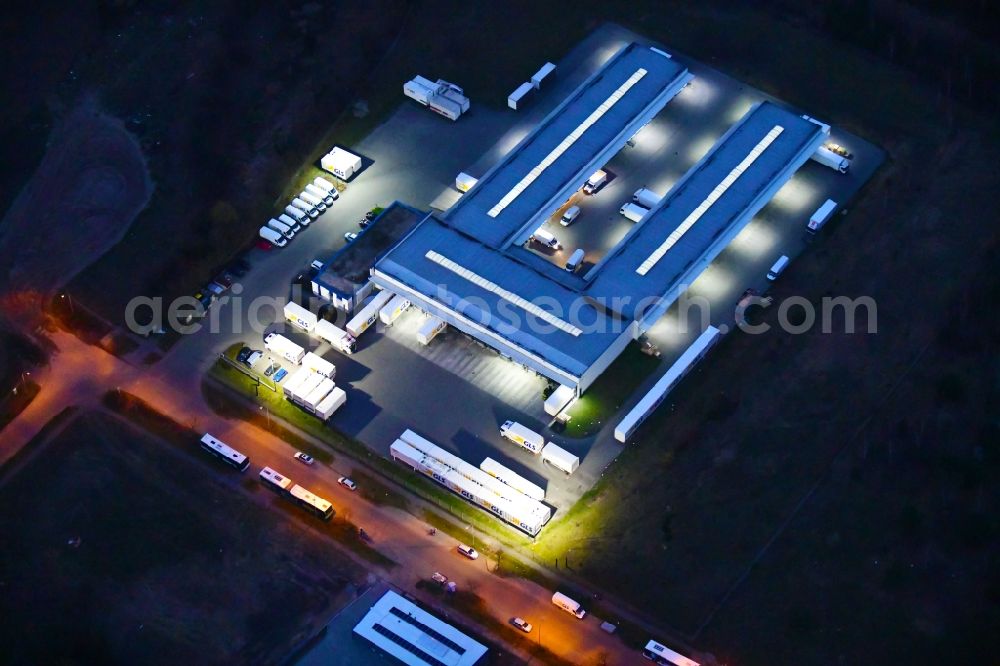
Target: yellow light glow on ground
716	281
756	239
798	196
700	146
700	92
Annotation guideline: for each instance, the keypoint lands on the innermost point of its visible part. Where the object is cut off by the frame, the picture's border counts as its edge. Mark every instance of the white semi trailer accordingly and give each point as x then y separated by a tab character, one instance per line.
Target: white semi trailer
281	346
821	216
512	479
429	329
331	403
828	158
441	97
633	212
560	458
317	363
522	436
367	315
338	338
298	316
390	313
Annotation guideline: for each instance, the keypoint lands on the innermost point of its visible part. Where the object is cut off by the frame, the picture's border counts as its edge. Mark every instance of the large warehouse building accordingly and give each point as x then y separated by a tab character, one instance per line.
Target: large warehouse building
471	268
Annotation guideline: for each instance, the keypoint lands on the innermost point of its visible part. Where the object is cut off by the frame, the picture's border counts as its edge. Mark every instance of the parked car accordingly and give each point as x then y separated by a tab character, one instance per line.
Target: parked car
439	578
347	483
252	359
243	354
316	265
350	237
206	298
523	625
468	551
304	458
215	288
271	369
280	374
224	279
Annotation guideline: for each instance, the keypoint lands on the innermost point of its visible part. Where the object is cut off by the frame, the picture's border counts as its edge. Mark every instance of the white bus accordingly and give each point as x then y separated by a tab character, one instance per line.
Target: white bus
661	654
220	450
312	503
275	481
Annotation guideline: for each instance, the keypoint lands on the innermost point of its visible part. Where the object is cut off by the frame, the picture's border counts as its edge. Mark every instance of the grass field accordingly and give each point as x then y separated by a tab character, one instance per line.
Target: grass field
117	556
603	400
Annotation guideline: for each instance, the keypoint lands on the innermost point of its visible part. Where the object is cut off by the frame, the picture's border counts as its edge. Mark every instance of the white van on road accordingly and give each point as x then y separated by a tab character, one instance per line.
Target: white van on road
568	605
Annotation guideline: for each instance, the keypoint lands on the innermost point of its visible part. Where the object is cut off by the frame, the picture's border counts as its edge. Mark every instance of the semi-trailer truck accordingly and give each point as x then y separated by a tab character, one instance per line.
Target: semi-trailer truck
281	346
441	97
338	338
828	158
646	198
522	436
821	216
299	316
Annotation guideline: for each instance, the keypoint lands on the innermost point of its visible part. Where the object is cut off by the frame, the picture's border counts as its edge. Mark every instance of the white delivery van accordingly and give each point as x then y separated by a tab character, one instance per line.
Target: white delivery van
296	214
273	237
560	458
575	260
594	182
325	185
543	237
569	217
320	193
633	211
306	208
313	201
568	605
285	219
281	228
778	268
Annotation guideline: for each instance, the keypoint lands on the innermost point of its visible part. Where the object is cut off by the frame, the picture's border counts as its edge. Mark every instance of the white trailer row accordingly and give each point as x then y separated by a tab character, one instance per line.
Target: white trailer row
314	392
470	482
302	318
367	315
512	479
628	425
551	454
441	97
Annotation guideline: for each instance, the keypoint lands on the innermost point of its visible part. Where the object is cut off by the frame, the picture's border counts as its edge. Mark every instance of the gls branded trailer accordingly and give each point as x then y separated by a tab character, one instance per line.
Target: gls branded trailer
522	436
338	338
281	346
368	313
298	316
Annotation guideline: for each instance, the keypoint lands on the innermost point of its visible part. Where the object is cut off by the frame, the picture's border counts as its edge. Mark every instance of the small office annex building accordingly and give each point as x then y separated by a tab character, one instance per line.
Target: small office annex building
470	267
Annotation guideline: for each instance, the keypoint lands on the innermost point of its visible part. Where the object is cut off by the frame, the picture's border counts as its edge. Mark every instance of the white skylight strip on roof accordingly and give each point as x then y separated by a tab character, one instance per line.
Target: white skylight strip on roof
713	196
567	142
480	281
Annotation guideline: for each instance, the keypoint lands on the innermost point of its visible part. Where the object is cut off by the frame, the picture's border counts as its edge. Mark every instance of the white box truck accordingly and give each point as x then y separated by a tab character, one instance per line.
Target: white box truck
828	158
646	198
320	193
293	223
317	363
341	163
390	313
518	97
633	212
522	436
464	182
441	97
297	315
325	185
560	458
338	338
429	329
367	315
558	400
568	605
306	208
273	237
313	200
296	214
331	403
595	181
281	346
822	215
539	76
281	228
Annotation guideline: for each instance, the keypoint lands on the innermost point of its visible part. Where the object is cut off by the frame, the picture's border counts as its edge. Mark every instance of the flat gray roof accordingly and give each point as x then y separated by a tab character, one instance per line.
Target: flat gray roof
631	87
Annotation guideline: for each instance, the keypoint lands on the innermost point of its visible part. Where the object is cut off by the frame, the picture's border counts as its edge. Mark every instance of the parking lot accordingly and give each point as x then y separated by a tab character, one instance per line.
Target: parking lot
454	391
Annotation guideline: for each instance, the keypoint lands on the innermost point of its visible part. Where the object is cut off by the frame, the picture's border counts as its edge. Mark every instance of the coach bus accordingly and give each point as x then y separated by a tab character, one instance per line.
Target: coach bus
661	654
224	453
311	503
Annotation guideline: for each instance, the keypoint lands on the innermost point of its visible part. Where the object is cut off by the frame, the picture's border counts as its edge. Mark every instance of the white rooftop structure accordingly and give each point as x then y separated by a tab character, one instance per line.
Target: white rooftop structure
414	636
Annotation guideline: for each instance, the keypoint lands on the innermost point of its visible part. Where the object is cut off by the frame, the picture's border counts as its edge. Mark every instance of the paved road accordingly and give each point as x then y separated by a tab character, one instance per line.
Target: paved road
80	374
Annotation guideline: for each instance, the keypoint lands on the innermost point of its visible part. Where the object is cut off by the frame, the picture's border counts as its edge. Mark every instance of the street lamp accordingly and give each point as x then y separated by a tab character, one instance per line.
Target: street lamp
268	412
